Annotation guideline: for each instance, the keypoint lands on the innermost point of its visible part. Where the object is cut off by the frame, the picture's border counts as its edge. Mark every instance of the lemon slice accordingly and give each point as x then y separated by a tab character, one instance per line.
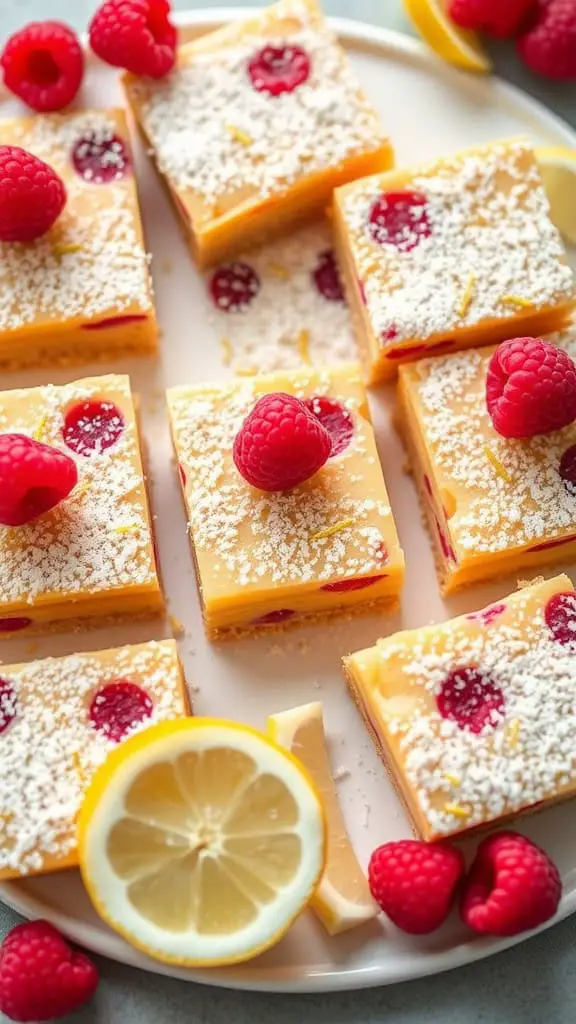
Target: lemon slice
453	44
558	167
342	900
200	841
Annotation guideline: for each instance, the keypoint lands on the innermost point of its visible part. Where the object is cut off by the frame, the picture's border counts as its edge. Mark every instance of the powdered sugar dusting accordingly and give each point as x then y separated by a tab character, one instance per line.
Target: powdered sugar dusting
92	264
99	539
491	242
247	539
508	493
216	135
50	751
288	322
526	755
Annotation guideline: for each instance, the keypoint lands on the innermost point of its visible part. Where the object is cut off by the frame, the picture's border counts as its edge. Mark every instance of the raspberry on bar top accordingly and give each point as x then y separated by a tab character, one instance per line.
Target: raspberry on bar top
82	291
494	505
258	124
59	718
90	555
475	717
266	558
452	254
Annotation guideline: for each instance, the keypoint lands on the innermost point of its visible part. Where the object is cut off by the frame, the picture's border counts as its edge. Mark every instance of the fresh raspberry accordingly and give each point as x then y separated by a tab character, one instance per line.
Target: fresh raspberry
500	18
32	196
34	477
118	707
279	69
400	219
512	886
414	883
549	45
136	35
280	444
530	388
471	699
41	977
43	64
326	277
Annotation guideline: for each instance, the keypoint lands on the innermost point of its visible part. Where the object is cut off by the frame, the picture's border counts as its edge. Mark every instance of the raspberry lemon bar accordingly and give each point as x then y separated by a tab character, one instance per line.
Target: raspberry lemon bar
75	535
258	124
59	718
494	505
82	291
270	550
452	254
475	717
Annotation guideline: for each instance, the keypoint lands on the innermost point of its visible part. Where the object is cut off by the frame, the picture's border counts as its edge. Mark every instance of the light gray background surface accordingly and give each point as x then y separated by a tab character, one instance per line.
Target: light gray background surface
532	984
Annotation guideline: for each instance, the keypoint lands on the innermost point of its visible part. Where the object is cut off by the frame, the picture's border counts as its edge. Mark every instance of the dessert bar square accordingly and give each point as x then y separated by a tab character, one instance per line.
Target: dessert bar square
494	505
59	718
475	718
91	558
456	253
257	125
264	559
81	292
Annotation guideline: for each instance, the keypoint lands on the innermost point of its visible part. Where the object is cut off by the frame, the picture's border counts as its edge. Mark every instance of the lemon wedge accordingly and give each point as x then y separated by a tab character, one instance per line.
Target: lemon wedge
342	900
448	41
558	168
200	841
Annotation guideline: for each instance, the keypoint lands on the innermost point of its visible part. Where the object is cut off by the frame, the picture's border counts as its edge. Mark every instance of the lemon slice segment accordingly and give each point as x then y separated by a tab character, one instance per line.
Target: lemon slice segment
342	900
448	41
200	841
558	168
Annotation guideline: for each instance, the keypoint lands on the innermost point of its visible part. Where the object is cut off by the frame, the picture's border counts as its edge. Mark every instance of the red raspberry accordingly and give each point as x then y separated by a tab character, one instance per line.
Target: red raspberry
400	219
32	196
414	883
512	886
34	477
280	444
549	45
500	18
530	388
43	64
326	277
41	977
136	35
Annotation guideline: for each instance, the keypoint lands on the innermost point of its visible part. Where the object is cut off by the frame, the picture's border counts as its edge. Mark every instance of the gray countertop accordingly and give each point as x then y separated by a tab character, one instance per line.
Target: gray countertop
532	984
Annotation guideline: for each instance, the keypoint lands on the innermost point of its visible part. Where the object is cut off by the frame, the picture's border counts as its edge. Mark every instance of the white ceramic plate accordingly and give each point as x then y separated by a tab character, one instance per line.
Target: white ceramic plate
429	109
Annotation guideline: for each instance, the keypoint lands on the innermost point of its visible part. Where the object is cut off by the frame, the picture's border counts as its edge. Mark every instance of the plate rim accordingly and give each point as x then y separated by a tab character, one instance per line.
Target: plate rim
247	977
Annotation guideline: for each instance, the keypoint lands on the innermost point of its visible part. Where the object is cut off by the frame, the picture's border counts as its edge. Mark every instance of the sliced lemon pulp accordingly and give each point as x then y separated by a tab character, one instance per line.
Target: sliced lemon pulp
448	41
558	167
342	900
200	841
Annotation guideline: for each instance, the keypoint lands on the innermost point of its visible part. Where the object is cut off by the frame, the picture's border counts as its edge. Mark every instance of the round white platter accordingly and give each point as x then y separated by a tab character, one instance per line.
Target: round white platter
429	109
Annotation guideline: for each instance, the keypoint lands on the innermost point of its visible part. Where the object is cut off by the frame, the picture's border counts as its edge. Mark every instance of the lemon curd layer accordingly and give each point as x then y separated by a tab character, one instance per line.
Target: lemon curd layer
267	558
